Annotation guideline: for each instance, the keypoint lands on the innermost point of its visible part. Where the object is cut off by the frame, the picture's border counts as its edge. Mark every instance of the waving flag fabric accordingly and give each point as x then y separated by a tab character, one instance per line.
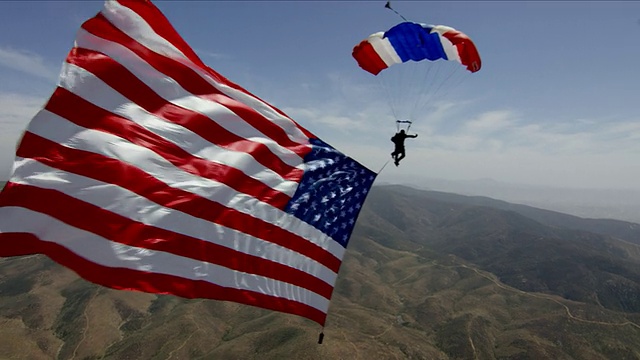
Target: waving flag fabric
147	170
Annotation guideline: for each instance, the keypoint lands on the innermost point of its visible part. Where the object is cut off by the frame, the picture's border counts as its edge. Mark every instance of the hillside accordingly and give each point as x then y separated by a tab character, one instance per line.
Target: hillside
595	203
624	230
561	257
426	276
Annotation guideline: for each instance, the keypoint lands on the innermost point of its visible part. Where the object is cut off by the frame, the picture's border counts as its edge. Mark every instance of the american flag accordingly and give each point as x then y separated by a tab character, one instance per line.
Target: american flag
147	170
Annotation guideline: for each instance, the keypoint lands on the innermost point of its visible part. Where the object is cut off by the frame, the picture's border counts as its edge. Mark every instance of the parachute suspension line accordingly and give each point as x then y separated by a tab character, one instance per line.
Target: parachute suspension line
453	80
400	97
435	81
459	79
423	90
417	89
412	89
447	78
397	100
388	95
449	74
388	6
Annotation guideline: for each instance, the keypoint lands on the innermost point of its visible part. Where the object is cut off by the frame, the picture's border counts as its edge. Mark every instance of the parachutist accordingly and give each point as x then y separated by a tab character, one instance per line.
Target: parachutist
422	56
398	140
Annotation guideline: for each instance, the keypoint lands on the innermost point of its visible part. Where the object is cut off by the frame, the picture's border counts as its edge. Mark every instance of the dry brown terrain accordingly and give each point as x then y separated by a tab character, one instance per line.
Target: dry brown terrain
397	297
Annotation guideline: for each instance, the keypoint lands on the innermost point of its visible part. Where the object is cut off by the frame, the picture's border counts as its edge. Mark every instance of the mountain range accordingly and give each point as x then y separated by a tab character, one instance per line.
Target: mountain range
427	275
595	203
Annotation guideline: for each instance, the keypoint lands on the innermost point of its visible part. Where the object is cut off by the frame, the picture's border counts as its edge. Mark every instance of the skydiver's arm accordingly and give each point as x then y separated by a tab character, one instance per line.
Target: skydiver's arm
413	136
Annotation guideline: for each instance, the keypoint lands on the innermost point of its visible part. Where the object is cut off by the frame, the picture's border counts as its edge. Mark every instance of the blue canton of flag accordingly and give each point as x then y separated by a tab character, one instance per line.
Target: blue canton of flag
331	192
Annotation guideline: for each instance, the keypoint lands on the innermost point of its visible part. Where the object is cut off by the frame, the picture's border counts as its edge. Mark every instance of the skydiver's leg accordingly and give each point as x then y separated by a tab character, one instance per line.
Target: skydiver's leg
395	153
402	155
397	158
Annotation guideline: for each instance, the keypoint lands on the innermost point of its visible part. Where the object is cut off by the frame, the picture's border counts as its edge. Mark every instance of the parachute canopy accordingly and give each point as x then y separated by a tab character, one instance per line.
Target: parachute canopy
415	41
436	53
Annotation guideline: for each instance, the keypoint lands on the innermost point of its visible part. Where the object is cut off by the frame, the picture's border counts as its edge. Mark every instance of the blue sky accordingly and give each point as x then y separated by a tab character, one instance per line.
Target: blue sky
557	101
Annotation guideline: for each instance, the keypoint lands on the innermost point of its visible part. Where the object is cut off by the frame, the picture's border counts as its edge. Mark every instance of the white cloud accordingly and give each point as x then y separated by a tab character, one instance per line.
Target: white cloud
490	122
212	55
27	62
15	113
17	110
329	119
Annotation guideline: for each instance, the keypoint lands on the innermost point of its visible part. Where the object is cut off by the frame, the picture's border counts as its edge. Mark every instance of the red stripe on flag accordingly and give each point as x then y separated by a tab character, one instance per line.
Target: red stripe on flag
120	229
87	115
15	244
115	172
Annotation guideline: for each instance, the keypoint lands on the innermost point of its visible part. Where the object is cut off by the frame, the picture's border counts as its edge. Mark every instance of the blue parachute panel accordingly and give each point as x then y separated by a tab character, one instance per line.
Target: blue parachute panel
414	42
